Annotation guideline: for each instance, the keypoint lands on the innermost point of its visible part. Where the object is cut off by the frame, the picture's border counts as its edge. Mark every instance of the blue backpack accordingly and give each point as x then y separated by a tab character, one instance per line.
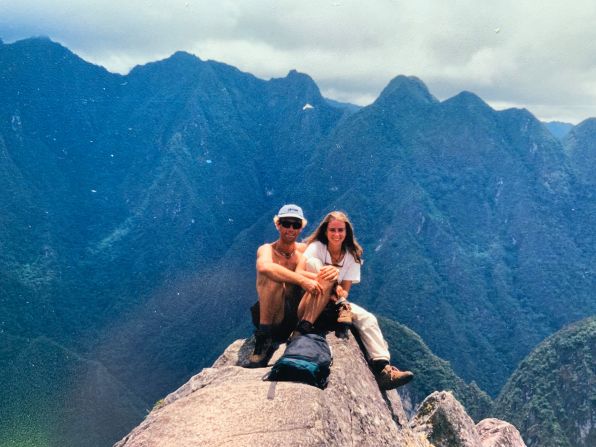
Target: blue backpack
307	359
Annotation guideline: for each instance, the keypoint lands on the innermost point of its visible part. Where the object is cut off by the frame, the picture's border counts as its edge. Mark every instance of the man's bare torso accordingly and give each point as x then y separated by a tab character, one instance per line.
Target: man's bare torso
291	263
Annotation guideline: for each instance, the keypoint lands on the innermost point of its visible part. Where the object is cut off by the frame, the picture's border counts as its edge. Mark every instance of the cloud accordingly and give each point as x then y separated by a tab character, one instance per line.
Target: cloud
525	53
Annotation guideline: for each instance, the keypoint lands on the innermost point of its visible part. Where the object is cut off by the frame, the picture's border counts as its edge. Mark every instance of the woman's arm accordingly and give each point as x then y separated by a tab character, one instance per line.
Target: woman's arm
342	290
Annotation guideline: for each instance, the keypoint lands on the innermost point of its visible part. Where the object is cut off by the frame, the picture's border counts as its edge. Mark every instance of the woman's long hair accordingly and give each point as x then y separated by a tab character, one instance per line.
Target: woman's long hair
348	245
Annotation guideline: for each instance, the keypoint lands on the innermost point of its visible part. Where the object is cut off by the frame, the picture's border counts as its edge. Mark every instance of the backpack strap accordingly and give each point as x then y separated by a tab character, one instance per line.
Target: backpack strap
271	392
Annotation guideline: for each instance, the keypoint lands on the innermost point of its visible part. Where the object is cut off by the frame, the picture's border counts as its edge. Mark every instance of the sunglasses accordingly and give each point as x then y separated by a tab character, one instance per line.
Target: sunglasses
295	224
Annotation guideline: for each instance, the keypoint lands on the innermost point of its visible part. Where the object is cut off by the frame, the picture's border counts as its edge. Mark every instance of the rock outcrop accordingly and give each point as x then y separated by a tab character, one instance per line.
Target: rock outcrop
498	433
444	423
229	404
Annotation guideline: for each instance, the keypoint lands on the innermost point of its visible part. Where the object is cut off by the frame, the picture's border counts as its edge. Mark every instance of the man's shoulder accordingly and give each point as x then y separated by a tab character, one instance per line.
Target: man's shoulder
265	247
300	247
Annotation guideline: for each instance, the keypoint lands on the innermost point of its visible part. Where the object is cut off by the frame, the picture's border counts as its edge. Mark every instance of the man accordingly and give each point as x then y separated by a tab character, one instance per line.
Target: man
279	287
278	283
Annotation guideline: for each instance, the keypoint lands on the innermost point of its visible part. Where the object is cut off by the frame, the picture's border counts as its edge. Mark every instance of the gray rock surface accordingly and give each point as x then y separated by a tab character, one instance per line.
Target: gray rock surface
230	405
444	422
498	433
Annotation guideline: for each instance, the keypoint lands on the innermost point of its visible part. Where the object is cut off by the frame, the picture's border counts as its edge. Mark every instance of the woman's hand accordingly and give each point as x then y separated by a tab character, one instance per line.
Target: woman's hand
329	273
341	292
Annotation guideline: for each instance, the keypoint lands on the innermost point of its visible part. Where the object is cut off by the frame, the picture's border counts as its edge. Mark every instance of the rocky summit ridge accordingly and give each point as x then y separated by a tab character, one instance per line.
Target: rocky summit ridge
230	405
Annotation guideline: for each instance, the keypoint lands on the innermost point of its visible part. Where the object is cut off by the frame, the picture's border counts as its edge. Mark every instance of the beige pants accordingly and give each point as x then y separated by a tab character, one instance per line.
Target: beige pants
365	323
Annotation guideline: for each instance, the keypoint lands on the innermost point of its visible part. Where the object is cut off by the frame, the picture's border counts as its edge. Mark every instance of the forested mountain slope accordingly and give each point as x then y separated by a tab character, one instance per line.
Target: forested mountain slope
132	207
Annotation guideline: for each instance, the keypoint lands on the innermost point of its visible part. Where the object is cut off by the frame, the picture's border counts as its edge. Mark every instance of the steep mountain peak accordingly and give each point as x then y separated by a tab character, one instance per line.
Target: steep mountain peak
41	39
184	56
300	86
300	80
351	410
406	89
523	120
588	125
40	43
469	101
584	131
519	113
579	144
180	60
295	74
37	56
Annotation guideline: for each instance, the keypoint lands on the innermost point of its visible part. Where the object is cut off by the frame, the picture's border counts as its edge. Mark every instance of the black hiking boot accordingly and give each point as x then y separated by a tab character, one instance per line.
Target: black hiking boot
263	350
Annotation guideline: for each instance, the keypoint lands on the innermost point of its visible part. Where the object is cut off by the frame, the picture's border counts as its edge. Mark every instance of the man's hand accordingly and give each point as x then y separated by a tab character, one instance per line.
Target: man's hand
311	286
328	273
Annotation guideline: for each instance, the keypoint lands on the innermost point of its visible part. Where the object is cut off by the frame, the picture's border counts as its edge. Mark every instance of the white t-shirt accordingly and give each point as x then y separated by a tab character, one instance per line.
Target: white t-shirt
349	269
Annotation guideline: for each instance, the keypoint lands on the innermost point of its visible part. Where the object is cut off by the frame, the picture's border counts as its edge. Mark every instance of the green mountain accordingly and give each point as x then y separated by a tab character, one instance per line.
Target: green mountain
115	190
131	208
551	397
409	352
59	397
581	147
465	213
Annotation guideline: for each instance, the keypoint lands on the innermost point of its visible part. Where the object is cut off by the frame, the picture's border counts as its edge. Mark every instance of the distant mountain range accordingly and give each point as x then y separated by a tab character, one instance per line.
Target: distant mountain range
558	128
132	207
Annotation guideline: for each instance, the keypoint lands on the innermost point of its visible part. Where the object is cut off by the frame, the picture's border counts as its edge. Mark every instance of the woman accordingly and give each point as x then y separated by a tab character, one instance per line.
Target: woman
333	243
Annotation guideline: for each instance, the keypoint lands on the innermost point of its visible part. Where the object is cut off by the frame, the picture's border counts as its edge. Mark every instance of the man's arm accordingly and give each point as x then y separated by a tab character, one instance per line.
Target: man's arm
278	273
327	272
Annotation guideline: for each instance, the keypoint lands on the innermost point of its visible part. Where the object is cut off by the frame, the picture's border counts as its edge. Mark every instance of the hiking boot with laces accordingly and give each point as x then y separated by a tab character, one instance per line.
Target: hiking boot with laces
345	313
263	350
391	377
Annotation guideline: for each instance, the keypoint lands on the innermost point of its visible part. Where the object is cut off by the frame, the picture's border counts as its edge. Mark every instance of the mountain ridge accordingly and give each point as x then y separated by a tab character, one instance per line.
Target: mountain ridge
136	203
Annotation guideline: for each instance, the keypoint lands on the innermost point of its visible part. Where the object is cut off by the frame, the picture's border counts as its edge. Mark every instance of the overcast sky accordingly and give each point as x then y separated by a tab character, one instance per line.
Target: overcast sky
540	55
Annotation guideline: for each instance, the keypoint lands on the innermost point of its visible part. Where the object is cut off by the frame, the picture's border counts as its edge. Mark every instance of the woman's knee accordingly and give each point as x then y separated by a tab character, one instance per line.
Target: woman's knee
313	265
363	317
